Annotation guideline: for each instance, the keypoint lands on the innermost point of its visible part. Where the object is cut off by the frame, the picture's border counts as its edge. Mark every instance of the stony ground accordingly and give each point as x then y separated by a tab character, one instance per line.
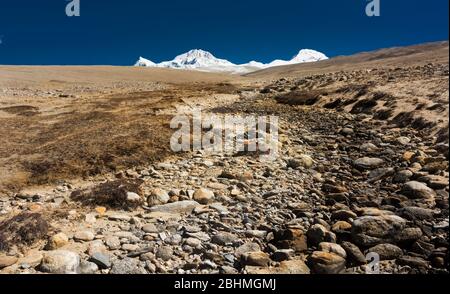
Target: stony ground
344	186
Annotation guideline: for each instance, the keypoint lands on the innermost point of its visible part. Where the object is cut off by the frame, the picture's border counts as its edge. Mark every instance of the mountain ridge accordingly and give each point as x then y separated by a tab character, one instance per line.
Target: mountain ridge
201	60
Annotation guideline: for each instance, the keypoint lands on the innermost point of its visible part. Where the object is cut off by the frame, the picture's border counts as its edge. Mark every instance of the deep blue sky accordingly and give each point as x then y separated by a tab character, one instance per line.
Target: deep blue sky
118	32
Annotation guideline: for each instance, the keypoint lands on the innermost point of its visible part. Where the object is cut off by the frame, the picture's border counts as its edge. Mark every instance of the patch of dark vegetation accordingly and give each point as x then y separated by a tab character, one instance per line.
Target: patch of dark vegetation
437	107
349	101
360	89
443	135
221	88
420	106
382	96
362	92
266	90
407	119
390	104
383	114
22	110
364	106
299	98
334	104
22	230
112	194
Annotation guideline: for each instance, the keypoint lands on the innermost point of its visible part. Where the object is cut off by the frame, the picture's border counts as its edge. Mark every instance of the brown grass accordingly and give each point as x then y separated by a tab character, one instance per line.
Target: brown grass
22	230
299	98
90	139
112	194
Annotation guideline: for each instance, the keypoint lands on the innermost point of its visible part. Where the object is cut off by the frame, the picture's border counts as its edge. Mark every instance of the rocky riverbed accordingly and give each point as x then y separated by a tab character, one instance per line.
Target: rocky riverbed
343	186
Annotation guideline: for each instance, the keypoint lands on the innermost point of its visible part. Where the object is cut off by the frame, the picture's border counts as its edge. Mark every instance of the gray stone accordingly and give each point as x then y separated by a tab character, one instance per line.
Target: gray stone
102	260
386	251
176	207
380	173
255	259
84	236
283	254
133	197
326	263
403	140
247	247
368	163
368	147
193	242
165	253
127	266
223	238
219	207
87	268
417	213
354	254
343	215
318	233
411	261
408	236
112	242
60	262
158	197
301	160
434	181
417	190
372	230
347	131
333	248
402	176
287	267
130	247
204	196
57	241
228	270
150	228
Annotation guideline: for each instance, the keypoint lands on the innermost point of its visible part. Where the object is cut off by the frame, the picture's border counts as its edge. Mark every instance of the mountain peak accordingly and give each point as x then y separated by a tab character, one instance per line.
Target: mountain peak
145	62
199	53
308	55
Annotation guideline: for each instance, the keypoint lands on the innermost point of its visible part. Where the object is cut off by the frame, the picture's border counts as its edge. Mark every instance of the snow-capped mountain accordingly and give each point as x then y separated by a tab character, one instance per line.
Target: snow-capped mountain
145	62
304	56
204	61
196	59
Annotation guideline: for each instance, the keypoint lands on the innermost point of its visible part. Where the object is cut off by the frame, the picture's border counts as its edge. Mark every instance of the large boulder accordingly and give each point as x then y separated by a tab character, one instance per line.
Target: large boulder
369	231
204	196
418	190
326	263
60	262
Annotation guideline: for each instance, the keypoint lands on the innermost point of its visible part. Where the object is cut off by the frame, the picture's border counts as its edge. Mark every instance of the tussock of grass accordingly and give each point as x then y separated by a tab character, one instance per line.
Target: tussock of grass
299	98
22	229
111	194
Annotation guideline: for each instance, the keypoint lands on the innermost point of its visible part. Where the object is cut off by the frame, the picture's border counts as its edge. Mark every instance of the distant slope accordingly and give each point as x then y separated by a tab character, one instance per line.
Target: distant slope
40	75
398	56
